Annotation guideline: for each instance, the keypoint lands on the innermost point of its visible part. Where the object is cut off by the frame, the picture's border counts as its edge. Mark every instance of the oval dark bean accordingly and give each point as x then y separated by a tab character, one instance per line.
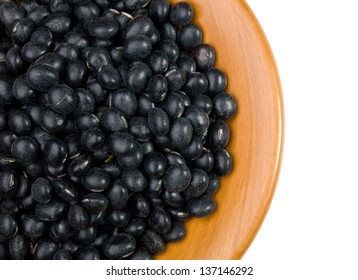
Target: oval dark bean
76	73
65	190
95	180
8	227
42	77
62	254
119	217
61	231
25	150
175	233
42	190
204	56
181	13
224	106
223	162
134	180
55	152
103	27
123	100
119	246
51	211
45	249
135	227
153	241
78	217
117	194
201	206
112	120
32	226
18	247
95	202
177	178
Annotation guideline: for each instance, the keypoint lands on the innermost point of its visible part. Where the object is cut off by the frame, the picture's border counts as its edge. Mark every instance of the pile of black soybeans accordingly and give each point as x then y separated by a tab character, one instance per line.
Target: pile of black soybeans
112	127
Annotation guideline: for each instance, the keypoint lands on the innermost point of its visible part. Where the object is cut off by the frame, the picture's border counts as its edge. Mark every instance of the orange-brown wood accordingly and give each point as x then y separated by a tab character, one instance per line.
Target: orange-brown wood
257	134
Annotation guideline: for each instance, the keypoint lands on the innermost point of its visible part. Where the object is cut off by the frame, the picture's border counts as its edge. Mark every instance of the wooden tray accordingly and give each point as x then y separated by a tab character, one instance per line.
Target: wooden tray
243	200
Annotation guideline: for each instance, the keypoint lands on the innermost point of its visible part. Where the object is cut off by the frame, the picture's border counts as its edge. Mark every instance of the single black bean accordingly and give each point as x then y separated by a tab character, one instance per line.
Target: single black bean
86	11
95	179
85	102
95	202
10	206
205	161
154	188
204	56
68	51
123	100
53	60
51	121
42	77
92	139
158	121
18	247
51	211
55	152
153	241
140	205
42	35
194	149
159	220
202	101
10	12
119	246
218	135
58	23
224	105
189	36
86	236
173	105
25	150
181	133
139	25
112	168
6	140
86	121
19	122
23	185
112	120
21	31
157	88
109	77
118	194
65	190
103	27
181	13
201	206
223	162
158	61
31	51
175	233
61	231
78	38
135	227
159	10
196	84
217	81
119	217
139	128
23	92
14	61
137	47
186	63
42	190
134	180
79	165
177	178
139	74
45	249
78	217
198	119
155	164
96	57
214	184
8	227
144	104
173	199
76	73
62	254
198	184
6	95
36	169
32	226
99	93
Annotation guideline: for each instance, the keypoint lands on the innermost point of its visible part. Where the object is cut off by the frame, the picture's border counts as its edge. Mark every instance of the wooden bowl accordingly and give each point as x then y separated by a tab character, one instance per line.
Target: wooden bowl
243	200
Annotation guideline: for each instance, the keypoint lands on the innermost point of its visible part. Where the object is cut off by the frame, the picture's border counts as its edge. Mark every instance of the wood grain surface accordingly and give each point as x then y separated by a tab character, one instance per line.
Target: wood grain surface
243	200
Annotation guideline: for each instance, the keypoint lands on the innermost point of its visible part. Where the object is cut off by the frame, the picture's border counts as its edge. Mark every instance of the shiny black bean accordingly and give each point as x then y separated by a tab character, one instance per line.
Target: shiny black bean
60	6
181	133
19	122
78	217
85	102
25	150
218	135
189	36
187	64
119	217
214	184
6	140
139	74
198	119
175	233
201	206
139	25
61	231
126	149
158	61
157	88
123	100
68	51
108	77
76	73
86	236
95	202
38	14
155	164
86	121
196	84
173	105
23	92
21	31
159	220
134	180
54	60
8	227
10	12
79	165
181	13
103	27
14	61
58	23
171	49
139	205
92	139
36	169
138	127
224	105
167	31
95	179
173	199
141	253
153	241
135	227
119	246
204	56
159	10
174	158
6	95
205	161
135	4
51	211
198	184
217	81
42	35
32	226
18	247
117	194
112	168
62	254
144	104
23	185
202	101
10	206
137	47
65	190
45	249
55	152
86	11
99	93
176	78
177	178
31	51
158	122
112	120
42	190
223	162
52	121
97	57
78	38
42	77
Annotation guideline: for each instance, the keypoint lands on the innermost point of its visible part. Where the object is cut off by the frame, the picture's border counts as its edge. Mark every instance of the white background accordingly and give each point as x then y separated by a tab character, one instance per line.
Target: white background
311	230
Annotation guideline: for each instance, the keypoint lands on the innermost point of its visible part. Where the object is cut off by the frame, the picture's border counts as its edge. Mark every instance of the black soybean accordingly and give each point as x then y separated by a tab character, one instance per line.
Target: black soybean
78	217
119	246
181	13
18	247
42	190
